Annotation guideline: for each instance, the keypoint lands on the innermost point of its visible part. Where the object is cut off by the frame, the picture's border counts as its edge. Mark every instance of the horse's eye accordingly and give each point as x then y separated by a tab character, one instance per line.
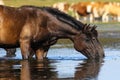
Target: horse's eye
87	39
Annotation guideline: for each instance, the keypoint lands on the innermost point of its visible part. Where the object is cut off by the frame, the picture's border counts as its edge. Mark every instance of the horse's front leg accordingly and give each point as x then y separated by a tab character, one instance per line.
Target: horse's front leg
49	43
41	52
32	53
25	48
46	51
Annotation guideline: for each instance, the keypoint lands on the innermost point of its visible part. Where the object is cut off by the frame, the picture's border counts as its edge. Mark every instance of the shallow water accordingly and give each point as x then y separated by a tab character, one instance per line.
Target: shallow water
63	64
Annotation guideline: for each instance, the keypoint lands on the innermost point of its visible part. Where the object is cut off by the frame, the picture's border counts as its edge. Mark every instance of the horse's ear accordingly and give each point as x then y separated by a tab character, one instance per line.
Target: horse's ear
94	31
93	28
88	29
85	27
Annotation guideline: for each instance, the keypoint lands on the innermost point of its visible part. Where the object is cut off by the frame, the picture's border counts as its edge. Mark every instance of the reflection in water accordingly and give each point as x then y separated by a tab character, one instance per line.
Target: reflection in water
25	70
41	70
89	70
36	70
6	70
47	70
64	64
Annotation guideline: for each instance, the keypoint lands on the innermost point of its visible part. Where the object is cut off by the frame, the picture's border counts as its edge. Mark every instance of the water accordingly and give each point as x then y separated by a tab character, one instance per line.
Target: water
63	64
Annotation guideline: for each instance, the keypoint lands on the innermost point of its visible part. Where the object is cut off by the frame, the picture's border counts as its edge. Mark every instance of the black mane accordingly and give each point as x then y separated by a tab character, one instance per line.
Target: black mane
64	17
61	16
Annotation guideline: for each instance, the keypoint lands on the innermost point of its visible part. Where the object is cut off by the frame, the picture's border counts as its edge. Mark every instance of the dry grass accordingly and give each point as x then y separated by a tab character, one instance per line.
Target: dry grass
43	2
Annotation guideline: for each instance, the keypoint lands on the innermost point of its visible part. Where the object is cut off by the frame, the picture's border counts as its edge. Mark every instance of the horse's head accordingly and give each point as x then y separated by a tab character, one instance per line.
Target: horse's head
88	44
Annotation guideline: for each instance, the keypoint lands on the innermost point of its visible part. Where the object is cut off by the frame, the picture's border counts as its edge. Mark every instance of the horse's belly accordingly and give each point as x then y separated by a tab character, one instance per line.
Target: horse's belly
6	37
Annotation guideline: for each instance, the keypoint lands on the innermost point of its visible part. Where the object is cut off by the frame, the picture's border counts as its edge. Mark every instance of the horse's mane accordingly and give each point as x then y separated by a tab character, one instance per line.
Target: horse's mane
64	17
61	16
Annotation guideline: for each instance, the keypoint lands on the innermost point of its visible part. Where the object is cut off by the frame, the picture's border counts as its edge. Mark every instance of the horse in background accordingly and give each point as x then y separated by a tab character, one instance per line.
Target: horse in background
103	10
62	6
1	2
79	10
112	9
35	29
97	10
88	10
91	11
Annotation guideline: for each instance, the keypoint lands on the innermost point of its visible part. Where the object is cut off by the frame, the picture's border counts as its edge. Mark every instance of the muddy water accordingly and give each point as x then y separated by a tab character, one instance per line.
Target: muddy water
64	63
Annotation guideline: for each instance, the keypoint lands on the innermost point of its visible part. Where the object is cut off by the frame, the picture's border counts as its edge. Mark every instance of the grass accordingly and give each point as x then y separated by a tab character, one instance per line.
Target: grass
44	2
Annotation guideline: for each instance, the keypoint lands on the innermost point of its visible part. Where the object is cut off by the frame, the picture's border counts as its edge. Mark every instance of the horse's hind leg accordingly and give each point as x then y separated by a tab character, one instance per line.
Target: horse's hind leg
10	52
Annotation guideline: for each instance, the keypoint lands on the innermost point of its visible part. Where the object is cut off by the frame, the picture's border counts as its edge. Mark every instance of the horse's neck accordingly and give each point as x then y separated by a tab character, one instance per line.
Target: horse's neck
63	30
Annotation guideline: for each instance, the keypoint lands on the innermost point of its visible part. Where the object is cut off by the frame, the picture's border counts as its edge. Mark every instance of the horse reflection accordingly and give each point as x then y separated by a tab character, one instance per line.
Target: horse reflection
7	71
44	70
25	70
89	70
37	70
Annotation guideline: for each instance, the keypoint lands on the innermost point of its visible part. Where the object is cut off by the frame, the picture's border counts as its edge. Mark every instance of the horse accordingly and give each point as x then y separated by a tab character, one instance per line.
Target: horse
80	9
89	70
97	10
62	6
2	2
34	29
111	9
91	10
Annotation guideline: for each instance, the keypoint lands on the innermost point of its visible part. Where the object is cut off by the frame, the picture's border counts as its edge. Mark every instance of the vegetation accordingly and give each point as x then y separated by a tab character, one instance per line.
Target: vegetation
44	2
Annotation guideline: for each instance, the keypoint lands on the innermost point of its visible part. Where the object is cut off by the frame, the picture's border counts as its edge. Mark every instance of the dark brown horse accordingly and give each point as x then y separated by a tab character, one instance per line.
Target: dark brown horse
35	29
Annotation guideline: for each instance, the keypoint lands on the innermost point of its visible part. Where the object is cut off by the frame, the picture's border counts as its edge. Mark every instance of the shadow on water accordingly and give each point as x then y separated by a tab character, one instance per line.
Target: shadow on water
46	70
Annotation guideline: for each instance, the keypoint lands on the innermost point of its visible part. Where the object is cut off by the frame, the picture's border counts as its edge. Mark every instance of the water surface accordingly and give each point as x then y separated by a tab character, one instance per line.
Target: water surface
64	63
